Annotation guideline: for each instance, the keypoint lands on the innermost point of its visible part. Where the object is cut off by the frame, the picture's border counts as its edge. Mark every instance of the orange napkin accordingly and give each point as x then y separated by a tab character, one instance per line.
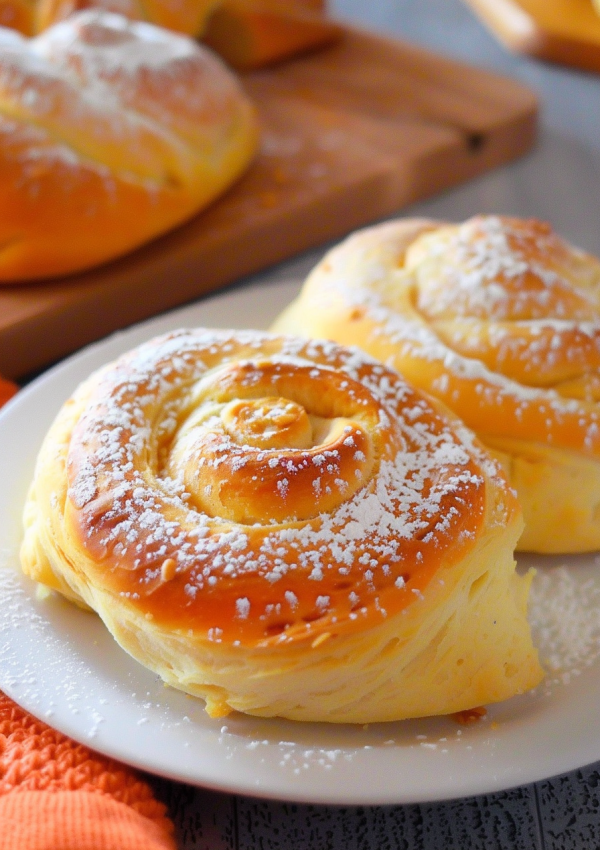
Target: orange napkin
7	389
56	794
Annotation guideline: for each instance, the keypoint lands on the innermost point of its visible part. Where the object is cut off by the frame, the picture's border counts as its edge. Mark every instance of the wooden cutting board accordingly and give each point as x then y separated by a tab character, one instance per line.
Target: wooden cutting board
565	31
350	134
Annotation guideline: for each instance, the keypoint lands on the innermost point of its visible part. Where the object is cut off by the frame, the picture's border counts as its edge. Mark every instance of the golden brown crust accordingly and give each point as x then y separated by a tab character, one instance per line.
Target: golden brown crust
68	180
18	15
498	318
185	16
122	458
227	500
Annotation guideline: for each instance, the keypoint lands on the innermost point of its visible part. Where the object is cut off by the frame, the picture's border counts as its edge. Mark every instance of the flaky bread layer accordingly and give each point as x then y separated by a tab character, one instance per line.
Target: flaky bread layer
569	522
463	644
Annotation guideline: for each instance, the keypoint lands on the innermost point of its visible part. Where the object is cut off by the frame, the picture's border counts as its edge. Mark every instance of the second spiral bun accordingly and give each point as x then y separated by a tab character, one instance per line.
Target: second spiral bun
284	528
499	318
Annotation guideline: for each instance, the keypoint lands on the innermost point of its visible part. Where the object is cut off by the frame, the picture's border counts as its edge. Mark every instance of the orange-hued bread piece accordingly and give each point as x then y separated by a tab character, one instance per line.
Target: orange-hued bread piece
185	16
19	15
251	34
248	34
111	133
565	31
499	318
284	528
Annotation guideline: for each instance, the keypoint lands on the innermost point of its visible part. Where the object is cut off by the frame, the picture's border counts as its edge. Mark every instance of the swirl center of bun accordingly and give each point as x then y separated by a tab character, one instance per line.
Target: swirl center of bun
261	445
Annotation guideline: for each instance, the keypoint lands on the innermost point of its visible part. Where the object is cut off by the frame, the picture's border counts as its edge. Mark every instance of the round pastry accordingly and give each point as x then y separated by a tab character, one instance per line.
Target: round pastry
284	528
499	319
112	133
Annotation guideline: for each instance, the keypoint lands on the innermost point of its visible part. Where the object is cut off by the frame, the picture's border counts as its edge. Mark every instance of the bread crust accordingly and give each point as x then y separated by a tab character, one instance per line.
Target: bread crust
184	16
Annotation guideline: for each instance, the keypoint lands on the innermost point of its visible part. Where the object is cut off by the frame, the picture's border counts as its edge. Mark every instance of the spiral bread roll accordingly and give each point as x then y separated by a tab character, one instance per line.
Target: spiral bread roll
499	319
111	132
284	528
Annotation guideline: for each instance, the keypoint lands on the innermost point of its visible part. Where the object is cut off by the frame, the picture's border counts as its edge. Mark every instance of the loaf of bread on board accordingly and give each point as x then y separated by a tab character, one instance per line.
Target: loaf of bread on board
112	133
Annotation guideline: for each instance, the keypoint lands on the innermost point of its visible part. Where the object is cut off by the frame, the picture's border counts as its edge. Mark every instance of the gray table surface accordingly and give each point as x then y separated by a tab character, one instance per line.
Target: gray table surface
559	181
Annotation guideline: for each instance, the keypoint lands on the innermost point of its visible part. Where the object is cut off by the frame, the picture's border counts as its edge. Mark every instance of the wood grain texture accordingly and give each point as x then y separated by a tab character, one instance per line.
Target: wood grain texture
351	134
564	31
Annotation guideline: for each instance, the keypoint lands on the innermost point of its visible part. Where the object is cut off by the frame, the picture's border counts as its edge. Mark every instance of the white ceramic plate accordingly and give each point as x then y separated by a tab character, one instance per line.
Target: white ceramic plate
62	665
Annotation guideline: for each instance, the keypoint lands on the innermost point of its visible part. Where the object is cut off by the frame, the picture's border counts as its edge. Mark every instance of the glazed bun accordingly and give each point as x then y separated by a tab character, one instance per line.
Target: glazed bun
113	132
499	318
284	528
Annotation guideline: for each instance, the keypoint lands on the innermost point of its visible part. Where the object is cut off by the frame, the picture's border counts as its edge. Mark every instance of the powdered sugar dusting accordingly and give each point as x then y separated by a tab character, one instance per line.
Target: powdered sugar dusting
143	501
564	608
501	315
102	89
502	269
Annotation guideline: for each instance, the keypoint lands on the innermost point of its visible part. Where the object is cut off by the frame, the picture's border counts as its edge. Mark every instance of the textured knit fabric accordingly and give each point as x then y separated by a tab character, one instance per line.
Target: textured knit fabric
75	820
56	794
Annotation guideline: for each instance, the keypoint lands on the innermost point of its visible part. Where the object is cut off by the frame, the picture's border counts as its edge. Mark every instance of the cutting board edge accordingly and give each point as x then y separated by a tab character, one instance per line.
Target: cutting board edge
66	326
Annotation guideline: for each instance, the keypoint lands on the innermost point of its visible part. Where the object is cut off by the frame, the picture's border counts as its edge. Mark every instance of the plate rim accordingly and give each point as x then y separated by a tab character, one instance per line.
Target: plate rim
305	774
